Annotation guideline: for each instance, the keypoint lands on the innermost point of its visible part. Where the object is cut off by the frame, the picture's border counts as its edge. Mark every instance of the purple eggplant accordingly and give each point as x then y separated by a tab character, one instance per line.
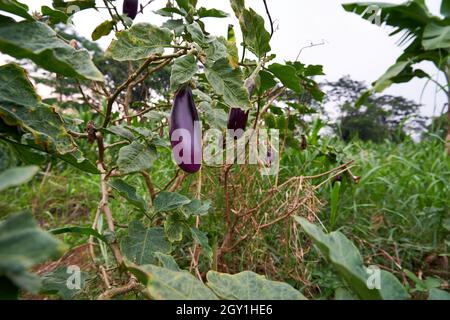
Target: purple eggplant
237	119
130	8
185	132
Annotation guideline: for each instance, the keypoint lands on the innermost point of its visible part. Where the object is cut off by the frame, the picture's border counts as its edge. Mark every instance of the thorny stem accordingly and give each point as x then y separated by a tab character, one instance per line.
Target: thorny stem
104	206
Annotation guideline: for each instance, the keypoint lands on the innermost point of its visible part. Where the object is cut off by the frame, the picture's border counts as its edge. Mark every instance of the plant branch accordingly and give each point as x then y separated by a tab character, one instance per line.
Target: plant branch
165	61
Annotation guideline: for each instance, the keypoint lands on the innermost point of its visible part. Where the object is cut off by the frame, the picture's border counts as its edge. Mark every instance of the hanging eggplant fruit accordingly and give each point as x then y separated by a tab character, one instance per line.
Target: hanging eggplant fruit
185	131
237	119
130	8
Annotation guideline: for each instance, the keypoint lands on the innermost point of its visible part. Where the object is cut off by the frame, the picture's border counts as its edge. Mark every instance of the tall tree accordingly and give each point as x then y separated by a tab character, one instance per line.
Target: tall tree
428	37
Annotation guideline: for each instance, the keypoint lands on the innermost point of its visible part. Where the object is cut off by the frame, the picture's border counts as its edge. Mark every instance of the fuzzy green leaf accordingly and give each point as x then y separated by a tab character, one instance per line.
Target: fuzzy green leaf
36	41
139	42
135	157
168	201
16	176
248	285
166	284
228	82
23	245
141	244
347	260
129	192
183	69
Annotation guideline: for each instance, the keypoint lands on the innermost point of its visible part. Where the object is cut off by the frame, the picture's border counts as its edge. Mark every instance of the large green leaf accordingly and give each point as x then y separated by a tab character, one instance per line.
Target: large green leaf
256	37
15	7
135	157
407	16
436	37
248	285
139	42
141	244
38	42
23	245
16	176
183	69
228	82
387	78
197	34
166	284
287	75
129	192
168	201
216	50
346	259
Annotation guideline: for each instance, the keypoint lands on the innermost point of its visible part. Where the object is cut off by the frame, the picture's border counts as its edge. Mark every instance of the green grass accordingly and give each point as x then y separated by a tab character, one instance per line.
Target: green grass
395	214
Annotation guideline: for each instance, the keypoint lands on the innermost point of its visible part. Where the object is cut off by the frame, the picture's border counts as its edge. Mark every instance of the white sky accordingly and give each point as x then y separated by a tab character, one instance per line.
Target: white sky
352	45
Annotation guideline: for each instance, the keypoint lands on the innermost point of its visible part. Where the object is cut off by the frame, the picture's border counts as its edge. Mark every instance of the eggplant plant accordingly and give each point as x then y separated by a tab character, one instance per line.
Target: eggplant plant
122	141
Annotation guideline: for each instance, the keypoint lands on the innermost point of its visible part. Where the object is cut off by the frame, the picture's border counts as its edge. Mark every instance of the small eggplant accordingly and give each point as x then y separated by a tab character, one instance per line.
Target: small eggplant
130	8
185	132
237	119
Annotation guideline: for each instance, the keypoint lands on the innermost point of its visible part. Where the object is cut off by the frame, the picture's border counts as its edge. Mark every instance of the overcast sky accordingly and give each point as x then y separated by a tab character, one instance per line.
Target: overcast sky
352	46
